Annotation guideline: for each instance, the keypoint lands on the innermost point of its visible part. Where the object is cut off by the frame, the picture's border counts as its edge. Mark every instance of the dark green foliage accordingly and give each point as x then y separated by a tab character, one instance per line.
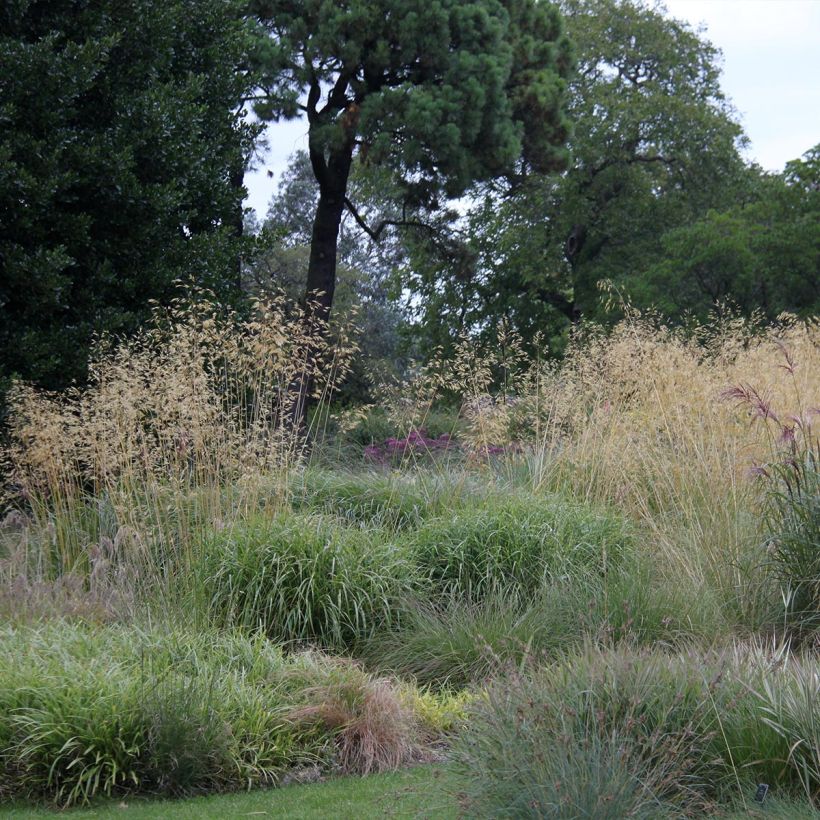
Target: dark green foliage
760	255
303	578
443	93
122	149
655	142
654	147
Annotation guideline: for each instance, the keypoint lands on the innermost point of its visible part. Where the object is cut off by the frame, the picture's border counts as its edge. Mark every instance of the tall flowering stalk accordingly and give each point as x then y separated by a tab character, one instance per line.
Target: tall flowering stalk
792	508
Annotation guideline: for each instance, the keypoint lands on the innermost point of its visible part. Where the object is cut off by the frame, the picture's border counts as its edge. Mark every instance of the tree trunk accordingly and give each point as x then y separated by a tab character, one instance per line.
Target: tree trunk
237	179
321	277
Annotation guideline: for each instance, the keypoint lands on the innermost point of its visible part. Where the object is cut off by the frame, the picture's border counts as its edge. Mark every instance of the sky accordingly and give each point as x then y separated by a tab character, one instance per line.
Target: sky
771	73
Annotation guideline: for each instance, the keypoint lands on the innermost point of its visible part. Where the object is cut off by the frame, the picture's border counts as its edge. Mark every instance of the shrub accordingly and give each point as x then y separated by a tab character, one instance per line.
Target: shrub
516	542
302	578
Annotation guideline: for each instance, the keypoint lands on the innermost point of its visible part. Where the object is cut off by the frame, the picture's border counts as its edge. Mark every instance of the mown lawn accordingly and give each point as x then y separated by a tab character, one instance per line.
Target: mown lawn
417	792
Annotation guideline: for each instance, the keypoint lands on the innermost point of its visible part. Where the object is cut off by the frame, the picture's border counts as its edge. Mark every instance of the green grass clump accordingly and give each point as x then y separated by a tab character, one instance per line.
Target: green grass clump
370	499
793	520
302	578
88	712
98	711
625	732
378	499
519	543
459	642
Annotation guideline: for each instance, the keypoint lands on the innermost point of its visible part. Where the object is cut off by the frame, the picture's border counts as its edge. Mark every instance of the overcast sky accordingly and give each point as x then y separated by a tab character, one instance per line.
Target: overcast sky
771	73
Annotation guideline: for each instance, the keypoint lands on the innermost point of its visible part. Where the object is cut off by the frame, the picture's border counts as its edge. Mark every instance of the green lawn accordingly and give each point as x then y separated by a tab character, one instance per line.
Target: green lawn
419	792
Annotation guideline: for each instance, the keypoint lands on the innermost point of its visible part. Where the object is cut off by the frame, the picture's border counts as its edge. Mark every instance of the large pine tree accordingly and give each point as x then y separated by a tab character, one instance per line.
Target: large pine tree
441	92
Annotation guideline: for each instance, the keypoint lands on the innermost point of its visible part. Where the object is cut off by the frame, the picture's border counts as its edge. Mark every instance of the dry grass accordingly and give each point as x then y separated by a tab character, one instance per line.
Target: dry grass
186	426
642	417
375	729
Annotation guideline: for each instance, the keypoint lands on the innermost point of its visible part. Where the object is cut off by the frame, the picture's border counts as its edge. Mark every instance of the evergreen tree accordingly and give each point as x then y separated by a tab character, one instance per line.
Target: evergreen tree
441	93
122	151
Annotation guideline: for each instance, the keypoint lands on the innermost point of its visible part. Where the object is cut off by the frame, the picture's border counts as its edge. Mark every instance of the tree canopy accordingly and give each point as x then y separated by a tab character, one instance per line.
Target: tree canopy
654	146
122	152
441	93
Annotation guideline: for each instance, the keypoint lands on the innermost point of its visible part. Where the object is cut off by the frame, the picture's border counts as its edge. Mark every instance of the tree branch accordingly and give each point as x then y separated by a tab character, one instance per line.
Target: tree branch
375	233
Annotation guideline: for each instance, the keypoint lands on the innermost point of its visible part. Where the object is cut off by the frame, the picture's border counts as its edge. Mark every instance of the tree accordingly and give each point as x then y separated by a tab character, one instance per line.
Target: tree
290	218
654	146
365	272
762	254
441	93
656	143
122	148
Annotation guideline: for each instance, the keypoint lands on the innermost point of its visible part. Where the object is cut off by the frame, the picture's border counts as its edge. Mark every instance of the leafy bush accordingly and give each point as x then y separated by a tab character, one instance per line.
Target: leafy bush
302	578
516	542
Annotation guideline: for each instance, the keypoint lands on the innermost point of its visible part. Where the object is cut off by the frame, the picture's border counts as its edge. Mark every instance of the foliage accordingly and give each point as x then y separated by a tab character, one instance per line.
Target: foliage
470	112
87	714
792	508
794	523
517	543
454	642
392	502
91	712
654	146
762	254
438	96
120	175
302	578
